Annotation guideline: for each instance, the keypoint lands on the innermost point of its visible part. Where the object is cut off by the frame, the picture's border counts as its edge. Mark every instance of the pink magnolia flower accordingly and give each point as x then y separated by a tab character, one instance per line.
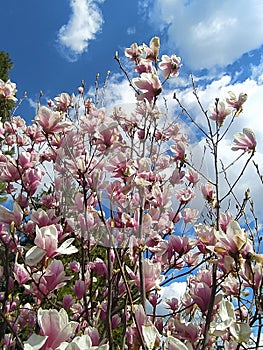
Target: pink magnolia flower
150	84
50	121
133	52
235	102
31	180
21	274
219	113
205	237
208	192
152	51
8	90
55	276
245	140
55	326
190	215
79	289
8	168
81	90
82	342
67	301
143	66
44	217
108	135
170	65
232	241
179	245
64	102
185	195
47	245
152	275
178	151
201	294
225	219
7	216
149	332
192	176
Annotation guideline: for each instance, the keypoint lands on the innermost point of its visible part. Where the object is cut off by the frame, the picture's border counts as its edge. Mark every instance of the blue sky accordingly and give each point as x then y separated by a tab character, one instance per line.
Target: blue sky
55	44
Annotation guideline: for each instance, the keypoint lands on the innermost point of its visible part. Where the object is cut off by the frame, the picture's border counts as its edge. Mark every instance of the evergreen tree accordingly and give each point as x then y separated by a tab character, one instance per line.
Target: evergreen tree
5	65
5	106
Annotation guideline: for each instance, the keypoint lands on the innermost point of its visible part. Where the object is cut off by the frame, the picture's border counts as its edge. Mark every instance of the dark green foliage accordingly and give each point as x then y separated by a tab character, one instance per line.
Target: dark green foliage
5	65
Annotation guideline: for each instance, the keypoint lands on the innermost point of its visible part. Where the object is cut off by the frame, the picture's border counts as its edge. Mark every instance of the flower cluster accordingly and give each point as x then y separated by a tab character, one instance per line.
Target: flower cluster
146	63
101	220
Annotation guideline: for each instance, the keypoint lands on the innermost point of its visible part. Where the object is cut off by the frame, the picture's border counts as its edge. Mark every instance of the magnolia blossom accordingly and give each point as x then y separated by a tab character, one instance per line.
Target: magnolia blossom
8	90
208	191
148	331
143	66
133	52
190	215
80	343
55	328
51	121
245	140
152	275
232	241
219	113
47	245
170	65
152	51
21	274
150	83
7	216
192	176
53	278
235	102
185	195
64	102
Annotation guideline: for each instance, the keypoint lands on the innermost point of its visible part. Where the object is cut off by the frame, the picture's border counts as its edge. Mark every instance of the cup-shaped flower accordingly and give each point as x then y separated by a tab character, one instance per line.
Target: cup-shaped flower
236	103
219	113
79	289
170	66
152	275
46	242
231	242
150	84
55	275
245	140
152	51
50	121
201	294
7	216
82	342
64	102
208	192
8	90
133	52
185	195
56	326
20	273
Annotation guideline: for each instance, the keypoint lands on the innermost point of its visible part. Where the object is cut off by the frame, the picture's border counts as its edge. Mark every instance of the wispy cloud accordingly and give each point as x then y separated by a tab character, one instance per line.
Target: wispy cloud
210	33
85	22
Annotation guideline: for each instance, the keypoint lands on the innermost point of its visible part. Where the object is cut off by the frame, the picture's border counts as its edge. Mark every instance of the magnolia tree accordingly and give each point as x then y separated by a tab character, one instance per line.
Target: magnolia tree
102	220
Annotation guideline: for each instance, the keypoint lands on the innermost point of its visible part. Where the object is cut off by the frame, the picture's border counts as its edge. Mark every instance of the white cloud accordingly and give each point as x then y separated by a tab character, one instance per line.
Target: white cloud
173	290
257	72
210	33
85	22
131	30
